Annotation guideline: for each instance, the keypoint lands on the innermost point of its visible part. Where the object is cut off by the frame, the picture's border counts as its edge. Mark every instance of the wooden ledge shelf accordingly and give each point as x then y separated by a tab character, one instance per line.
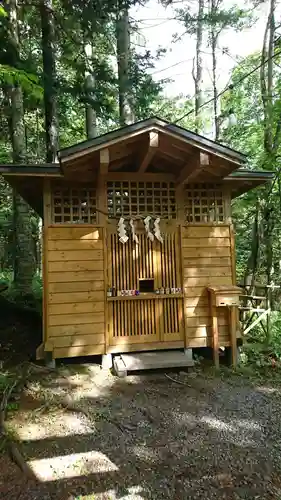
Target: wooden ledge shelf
144	296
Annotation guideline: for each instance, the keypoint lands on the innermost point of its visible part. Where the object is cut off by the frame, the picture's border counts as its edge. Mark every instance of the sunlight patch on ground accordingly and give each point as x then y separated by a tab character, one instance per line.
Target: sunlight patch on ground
72	465
133	494
48	427
249	425
144	452
235	430
267	390
92	386
184	418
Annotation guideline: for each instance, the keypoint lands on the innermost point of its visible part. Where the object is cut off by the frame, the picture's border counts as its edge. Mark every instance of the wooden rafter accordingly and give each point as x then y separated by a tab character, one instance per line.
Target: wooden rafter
150	152
104	161
198	162
169	150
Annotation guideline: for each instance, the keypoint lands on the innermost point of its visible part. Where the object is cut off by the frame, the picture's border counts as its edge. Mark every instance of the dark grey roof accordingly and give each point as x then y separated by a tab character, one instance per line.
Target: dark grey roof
243	173
182	133
241	181
39	169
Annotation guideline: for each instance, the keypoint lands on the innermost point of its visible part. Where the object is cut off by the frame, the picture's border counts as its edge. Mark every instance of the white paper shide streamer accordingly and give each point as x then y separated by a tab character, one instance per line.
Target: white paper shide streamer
146	221
157	230
134	236
123	238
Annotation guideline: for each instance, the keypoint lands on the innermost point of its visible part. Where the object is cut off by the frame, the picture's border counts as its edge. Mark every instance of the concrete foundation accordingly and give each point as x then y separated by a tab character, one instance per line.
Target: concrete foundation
106	362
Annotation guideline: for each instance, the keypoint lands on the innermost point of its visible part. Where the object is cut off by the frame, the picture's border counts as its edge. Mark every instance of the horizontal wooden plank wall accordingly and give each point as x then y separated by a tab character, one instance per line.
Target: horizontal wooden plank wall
206	261
76	291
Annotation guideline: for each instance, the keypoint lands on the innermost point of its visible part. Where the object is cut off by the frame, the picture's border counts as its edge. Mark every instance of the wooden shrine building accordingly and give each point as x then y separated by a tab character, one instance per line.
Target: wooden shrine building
172	291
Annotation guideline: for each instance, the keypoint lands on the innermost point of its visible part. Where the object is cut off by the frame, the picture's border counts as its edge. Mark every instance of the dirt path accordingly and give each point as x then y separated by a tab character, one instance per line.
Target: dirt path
147	437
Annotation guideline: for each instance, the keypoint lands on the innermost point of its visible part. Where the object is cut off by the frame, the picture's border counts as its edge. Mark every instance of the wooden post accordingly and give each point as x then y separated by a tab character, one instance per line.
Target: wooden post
232	327
268	307
102	205
215	332
47	210
234	322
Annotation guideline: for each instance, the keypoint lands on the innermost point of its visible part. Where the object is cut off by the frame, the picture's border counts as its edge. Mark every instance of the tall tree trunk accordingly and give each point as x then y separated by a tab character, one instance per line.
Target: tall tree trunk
91	117
214	34
271	141
214	72
126	113
266	78
215	90
198	70
90	113
24	262
49	70
253	259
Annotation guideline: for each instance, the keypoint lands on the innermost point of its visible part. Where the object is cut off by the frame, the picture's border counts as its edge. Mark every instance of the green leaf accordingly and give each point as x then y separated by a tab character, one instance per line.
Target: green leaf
3	13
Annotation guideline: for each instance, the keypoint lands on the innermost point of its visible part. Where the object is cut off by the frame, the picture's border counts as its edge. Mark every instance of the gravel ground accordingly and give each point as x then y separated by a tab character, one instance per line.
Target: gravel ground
148	437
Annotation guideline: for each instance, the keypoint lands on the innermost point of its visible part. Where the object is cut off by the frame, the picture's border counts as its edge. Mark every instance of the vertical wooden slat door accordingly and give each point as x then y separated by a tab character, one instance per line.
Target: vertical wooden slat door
147	318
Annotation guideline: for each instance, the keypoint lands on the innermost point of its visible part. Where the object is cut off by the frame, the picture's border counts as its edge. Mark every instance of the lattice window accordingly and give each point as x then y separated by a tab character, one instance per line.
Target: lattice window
76	206
204	203
135	198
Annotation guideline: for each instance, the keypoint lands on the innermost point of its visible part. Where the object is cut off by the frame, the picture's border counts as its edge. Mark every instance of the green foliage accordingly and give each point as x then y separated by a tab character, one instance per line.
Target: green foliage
76	24
28	81
262	352
3	13
217	18
248	136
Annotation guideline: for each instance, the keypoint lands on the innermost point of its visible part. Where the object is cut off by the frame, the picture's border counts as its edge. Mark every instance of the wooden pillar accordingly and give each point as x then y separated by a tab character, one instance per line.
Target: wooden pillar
234	322
47	214
101	187
227	205
102	221
215	330
232	327
181	220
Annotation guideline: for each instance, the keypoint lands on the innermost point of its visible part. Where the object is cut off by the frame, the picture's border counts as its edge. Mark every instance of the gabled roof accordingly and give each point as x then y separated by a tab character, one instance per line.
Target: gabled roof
155	123
176	156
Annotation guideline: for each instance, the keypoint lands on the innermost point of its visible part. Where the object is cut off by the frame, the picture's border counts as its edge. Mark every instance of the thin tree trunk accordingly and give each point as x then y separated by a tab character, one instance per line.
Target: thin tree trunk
271	139
91	117
24	263
197	76
49	69
214	32
253	260
266	78
126	113
90	113
214	83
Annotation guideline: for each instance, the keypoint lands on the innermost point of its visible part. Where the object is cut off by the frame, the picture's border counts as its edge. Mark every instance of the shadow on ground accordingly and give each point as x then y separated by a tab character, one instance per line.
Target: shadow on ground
147	437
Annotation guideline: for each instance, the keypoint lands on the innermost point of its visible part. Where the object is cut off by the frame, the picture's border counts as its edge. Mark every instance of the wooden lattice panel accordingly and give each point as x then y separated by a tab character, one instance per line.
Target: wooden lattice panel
73	205
135	198
170	262
204	203
172	311
145	320
148	260
134	320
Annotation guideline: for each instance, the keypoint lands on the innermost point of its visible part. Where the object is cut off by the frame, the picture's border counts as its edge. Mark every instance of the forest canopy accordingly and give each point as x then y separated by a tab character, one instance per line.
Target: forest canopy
71	70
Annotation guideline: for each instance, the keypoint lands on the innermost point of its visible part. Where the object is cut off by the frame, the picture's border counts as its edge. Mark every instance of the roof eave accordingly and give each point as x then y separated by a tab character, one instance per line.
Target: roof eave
37	170
242	180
